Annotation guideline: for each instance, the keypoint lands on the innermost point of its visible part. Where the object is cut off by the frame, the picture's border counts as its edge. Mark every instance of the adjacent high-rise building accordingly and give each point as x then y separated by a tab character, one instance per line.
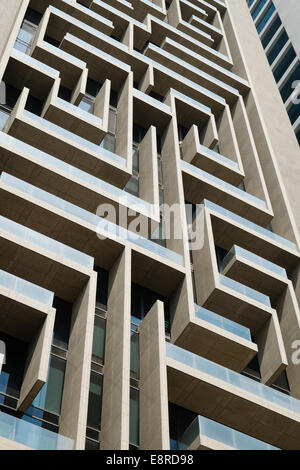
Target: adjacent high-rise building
277	23
149	230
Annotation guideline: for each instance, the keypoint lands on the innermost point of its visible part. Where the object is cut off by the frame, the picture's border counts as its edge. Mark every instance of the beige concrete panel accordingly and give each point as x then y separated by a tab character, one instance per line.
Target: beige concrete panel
209	135
289	319
172	180
127	38
17	110
147	81
41	31
190	144
148	170
254	177
125	122
10	22
227	139
205	264
101	106
174	13
154	417
79	90
115	402
198	156
223	45
270	124
52	97
75	398
181	307
271	352
37	363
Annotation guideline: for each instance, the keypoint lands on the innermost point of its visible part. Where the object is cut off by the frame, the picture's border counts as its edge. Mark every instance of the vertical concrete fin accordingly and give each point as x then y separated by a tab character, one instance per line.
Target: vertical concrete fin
115	404
154	416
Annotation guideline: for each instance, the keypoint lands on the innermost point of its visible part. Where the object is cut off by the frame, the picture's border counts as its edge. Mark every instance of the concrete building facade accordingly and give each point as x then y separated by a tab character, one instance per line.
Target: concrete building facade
277	23
114	341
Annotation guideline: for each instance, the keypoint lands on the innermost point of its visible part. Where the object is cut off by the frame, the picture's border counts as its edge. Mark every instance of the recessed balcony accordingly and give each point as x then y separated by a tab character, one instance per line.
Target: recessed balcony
23	70
166	78
197	75
216	392
42	260
199	183
71	148
24	306
206	434
69	66
200	61
86	233
229	227
163	31
215	337
254	271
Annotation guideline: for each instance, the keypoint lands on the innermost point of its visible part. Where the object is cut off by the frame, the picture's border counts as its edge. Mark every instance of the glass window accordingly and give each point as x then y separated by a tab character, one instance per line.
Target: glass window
134	417
108	143
50	396
95	401
87	104
260	26
288	89
102	286
258	8
284	64
277	48
134	355
132	185
99	340
25	37
135	159
62	325
271	31
4	116
112	120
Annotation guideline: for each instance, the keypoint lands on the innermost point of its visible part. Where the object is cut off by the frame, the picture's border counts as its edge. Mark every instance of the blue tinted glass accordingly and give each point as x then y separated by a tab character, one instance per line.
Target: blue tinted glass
258	9
288	87
271	31
284	64
260	26
277	48
294	112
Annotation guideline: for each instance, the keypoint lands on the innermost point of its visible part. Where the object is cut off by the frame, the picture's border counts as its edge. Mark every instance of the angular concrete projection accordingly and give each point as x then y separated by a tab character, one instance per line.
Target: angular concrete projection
289	319
154	419
79	90
77	377
11	19
148	169
186	84
274	136
271	352
115	402
36	370
124	121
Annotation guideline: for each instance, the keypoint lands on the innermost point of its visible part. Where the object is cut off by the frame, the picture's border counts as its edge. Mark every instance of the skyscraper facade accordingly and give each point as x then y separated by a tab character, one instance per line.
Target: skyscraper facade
149	229
277	23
